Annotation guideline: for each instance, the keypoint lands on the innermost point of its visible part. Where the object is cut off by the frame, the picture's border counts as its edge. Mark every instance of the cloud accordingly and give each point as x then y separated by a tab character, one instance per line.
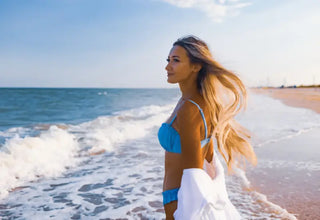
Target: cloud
216	10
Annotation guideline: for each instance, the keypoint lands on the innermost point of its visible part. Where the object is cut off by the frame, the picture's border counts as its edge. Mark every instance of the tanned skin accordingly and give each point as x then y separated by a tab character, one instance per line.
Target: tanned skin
188	123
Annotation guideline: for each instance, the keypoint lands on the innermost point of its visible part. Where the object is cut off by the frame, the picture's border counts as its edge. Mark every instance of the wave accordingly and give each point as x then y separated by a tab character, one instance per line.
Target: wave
58	147
30	158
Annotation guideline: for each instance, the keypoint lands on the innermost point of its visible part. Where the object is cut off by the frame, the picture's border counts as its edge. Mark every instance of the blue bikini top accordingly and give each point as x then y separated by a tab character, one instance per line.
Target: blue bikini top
169	138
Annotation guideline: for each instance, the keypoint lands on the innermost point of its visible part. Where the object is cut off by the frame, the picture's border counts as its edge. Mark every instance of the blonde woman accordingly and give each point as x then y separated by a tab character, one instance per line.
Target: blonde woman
194	186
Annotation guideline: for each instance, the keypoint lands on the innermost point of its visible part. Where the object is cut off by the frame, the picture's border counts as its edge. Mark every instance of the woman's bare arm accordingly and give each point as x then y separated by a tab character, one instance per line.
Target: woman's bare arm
190	121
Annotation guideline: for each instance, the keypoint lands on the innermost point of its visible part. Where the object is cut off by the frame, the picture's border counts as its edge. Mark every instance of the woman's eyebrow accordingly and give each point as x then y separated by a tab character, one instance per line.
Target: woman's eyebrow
174	56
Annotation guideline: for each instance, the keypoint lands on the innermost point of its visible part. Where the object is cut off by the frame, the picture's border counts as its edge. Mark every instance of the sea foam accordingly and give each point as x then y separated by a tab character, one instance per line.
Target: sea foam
30	158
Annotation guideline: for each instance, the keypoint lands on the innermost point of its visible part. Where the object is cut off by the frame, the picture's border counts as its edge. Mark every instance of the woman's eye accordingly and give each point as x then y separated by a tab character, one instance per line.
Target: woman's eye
175	60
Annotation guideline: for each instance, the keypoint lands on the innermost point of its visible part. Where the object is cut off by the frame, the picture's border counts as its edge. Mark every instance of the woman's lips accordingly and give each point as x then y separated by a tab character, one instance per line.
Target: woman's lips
169	74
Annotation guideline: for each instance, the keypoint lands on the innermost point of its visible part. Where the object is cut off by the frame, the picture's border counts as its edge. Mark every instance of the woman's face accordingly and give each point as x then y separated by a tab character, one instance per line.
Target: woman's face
179	67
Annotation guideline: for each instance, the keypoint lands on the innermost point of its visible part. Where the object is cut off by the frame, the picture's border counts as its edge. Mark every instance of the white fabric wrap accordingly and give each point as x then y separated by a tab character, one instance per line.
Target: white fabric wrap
203	194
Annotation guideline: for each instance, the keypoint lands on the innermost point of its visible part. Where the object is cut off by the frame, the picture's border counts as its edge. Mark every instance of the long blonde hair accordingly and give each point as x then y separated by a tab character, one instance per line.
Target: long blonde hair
225	95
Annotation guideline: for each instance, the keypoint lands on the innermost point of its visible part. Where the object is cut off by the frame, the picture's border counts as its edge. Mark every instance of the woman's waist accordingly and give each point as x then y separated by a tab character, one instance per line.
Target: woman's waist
172	177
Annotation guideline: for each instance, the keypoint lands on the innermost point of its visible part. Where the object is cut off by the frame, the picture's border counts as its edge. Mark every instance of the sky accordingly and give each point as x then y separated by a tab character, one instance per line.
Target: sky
125	43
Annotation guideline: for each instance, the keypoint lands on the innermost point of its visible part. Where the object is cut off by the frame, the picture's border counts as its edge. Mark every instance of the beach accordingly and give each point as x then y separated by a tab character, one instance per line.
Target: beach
297	97
288	170
104	160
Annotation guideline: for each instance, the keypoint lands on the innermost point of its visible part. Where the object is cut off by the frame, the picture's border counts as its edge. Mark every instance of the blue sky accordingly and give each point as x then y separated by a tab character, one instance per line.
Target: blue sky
125	43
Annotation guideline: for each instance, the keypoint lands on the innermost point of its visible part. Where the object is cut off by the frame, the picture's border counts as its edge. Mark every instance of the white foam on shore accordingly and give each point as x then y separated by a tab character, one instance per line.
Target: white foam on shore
24	159
126	183
31	158
284	214
261	198
13	132
106	132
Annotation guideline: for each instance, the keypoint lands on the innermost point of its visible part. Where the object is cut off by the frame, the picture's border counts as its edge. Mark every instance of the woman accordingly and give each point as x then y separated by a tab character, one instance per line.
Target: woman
211	97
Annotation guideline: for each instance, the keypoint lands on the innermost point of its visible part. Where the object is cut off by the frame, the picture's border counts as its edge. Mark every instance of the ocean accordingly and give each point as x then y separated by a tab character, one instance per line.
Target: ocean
79	153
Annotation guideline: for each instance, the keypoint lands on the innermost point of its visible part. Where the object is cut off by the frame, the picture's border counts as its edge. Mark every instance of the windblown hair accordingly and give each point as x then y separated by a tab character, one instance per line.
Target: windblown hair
225	95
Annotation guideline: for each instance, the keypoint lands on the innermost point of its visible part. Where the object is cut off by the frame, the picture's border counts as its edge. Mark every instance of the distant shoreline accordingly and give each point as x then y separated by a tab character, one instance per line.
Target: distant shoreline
304	97
284	87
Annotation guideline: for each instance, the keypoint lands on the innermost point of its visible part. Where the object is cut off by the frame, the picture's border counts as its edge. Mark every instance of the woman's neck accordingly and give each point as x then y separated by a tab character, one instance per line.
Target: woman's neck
189	89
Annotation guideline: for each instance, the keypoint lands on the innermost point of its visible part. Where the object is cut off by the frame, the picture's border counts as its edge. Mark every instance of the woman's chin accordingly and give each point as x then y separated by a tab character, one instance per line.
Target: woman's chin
171	81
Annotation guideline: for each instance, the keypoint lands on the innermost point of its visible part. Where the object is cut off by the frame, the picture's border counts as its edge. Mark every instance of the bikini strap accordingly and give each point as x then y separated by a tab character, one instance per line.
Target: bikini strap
204	119
173	119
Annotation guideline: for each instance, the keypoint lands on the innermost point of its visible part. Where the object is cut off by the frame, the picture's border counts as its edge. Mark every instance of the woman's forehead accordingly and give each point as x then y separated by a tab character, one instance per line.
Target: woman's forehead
178	51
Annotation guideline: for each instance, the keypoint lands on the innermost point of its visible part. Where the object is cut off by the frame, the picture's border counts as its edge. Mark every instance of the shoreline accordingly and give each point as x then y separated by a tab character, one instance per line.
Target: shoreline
288	173
288	170
296	97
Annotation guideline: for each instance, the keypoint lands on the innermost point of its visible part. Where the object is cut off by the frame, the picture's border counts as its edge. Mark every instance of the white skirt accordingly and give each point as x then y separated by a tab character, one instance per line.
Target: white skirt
203	194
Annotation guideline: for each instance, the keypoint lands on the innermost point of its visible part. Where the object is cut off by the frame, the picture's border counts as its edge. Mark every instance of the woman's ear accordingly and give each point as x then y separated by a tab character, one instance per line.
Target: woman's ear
196	67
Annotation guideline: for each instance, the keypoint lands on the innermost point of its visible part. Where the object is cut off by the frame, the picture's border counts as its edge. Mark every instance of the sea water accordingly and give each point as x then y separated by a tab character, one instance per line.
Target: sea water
94	153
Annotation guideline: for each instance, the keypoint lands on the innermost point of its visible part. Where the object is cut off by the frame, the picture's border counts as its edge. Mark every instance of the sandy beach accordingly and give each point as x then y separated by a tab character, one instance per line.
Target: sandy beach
288	170
297	97
288	173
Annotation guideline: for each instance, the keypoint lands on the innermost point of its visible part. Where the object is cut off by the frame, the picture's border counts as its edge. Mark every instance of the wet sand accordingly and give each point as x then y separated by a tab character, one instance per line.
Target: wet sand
297	97
288	171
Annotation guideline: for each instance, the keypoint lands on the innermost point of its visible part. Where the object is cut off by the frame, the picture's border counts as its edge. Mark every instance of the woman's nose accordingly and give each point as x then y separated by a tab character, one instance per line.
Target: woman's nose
167	67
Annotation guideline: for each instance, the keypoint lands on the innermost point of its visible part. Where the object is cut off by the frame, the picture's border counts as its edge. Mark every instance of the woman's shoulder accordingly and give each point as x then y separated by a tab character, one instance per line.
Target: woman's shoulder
194	103
189	112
